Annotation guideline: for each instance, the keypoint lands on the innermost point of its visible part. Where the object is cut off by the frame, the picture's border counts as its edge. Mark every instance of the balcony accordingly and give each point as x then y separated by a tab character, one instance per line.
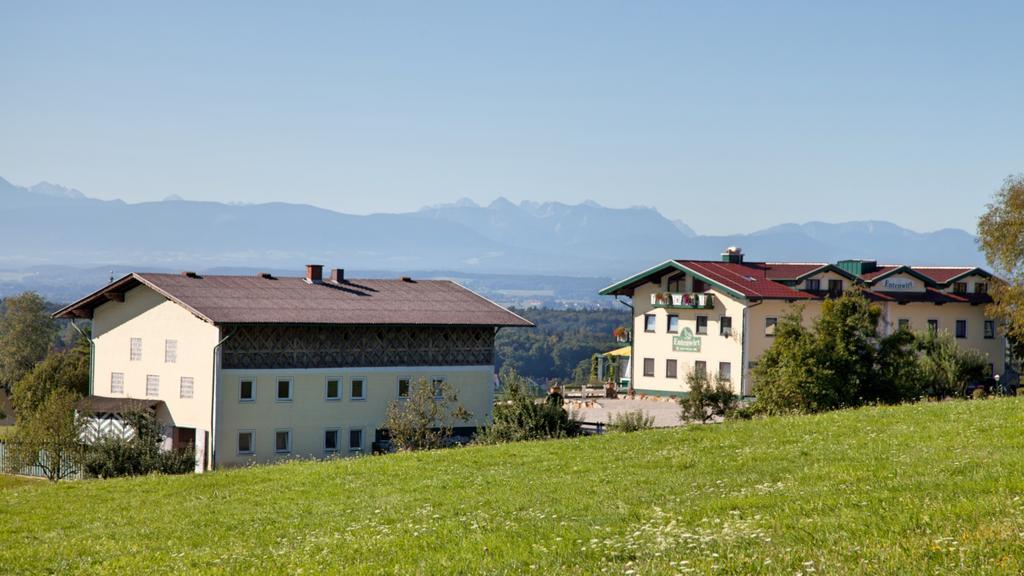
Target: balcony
682	300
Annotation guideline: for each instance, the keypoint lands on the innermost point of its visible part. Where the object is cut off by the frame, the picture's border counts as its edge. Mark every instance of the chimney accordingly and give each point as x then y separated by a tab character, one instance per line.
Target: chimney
314	273
733	255
190	274
338	275
266	275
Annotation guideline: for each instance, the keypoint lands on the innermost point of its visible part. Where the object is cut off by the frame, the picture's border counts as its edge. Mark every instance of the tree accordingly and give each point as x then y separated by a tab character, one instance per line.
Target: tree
425	418
49	437
115	455
26	333
838	362
68	370
705	401
1001	235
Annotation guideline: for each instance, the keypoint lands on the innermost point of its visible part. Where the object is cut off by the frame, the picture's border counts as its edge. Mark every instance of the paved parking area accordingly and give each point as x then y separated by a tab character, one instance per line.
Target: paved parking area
665	412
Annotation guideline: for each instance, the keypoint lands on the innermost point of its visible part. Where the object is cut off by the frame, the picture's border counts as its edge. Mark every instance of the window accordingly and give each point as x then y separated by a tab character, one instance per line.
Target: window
725	326
245	442
650	323
813	285
725	371
702	324
990	329
117	382
404	382
981	287
282	441
677	284
700	368
331	441
960	287
673	323
699	285
246	390
903	324
170	351
357	390
933	326
284	390
136	351
648	367
835	287
152	385
670	368
355	440
961	328
187	387
437	385
769	326
333	389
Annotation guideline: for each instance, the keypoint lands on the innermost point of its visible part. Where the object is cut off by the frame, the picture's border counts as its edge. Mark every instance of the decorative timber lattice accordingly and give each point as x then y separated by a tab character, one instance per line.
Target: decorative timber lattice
289	346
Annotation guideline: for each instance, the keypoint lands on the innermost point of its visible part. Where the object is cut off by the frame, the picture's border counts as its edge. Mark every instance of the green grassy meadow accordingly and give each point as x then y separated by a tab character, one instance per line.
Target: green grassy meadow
919	489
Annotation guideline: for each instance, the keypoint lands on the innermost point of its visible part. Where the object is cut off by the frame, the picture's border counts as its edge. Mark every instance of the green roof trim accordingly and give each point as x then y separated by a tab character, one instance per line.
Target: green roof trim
902	269
616	288
828	268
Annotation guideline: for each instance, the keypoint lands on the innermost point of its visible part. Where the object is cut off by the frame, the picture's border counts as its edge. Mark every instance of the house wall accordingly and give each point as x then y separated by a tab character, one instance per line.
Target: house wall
147	315
309	414
947	314
714	348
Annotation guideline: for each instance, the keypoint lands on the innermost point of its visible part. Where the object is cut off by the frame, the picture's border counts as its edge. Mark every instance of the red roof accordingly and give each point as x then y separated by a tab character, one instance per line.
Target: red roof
790	270
289	300
749	279
942	275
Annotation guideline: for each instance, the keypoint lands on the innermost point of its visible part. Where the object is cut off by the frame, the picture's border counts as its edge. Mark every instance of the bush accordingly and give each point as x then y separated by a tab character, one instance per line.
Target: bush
117	456
518	416
425	419
705	401
632	421
946	368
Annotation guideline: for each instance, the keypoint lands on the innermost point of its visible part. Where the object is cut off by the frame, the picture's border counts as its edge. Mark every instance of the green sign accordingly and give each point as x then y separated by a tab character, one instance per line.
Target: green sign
686	342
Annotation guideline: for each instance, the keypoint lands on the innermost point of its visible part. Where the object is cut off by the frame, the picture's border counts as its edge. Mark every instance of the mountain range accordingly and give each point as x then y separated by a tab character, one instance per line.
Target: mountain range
48	224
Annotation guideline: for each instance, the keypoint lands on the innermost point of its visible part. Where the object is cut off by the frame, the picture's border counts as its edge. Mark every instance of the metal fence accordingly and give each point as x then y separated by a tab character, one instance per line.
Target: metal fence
36	470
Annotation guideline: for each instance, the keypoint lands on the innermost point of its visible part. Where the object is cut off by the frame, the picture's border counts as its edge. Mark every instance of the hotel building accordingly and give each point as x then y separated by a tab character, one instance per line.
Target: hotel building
718	317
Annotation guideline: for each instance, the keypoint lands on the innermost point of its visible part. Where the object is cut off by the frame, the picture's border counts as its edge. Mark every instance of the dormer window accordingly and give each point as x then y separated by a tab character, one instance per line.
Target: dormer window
835	287
813	285
981	287
960	287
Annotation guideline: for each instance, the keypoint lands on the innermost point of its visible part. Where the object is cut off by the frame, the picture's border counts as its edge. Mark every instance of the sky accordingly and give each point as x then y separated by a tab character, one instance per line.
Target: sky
731	116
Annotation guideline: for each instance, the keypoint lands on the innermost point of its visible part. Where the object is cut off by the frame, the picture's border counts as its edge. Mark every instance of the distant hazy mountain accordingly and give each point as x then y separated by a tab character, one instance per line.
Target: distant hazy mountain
48	224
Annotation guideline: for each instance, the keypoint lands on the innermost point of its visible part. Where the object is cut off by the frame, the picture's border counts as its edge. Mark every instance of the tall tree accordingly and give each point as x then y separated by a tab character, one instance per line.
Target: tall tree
1001	235
26	333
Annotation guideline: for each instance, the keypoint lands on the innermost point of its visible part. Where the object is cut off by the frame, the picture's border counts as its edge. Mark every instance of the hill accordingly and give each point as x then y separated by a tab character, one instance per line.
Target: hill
47	224
920	489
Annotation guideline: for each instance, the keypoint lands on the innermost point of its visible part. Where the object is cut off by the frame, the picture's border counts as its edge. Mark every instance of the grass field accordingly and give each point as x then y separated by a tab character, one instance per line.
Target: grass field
922	489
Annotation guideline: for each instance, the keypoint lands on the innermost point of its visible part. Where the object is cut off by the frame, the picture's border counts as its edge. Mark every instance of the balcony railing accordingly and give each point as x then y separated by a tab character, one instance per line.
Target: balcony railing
682	300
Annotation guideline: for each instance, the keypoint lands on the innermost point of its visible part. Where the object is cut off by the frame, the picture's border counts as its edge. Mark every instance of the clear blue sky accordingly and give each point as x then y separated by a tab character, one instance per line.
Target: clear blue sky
730	116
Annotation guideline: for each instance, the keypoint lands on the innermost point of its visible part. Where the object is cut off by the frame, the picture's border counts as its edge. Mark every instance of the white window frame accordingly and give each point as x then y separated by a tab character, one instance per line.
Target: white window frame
351	381
247	379
439	391
729	364
119	377
170	351
668	323
362	440
408	389
135	352
288	448
155	378
191	387
277	389
327	388
337	441
252	442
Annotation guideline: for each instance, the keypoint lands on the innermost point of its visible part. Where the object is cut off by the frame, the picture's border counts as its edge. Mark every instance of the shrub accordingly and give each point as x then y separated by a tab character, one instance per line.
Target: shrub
705	401
631	421
116	456
946	368
518	416
425	419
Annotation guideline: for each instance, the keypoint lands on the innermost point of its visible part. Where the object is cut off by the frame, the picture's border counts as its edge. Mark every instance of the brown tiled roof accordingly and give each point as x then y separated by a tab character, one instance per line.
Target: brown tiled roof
748	279
289	300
